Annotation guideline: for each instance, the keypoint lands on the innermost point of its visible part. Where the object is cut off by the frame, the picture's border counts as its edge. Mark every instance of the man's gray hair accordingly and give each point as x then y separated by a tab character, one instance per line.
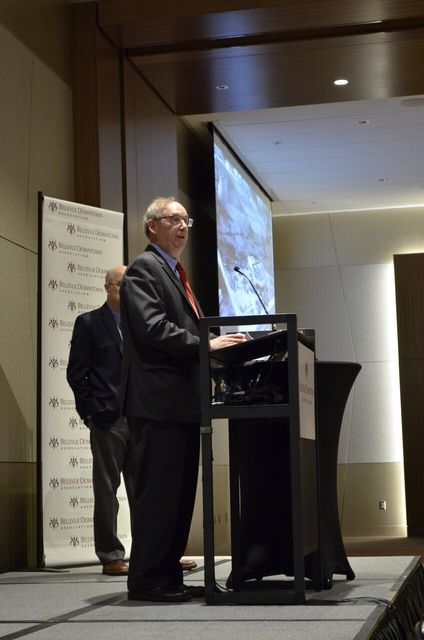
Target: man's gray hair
155	210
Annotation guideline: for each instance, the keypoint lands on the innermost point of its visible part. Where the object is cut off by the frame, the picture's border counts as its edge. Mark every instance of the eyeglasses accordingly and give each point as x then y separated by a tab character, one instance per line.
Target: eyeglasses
177	220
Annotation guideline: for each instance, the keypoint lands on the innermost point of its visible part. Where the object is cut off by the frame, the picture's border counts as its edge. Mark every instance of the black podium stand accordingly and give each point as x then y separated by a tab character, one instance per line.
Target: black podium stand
264	532
334	380
297	530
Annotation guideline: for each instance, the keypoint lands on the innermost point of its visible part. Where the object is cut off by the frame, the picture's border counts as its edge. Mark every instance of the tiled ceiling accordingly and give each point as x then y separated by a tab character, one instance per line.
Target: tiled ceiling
332	157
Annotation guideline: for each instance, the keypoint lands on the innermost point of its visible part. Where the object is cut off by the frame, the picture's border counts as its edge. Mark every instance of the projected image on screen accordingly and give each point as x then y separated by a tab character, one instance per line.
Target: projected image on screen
244	238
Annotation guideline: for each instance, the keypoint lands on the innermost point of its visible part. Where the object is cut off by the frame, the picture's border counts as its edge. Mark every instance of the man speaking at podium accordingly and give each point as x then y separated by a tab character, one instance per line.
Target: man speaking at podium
160	387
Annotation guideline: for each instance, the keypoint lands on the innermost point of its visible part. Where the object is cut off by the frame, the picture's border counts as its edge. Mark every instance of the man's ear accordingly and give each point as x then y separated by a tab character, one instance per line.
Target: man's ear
151	225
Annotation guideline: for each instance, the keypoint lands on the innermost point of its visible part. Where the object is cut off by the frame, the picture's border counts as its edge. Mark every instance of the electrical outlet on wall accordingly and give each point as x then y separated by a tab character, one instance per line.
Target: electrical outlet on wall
382	505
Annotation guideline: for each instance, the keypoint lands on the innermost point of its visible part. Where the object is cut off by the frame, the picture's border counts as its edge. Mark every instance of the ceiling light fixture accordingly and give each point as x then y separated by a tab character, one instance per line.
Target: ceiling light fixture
340	82
222	87
362	122
383	179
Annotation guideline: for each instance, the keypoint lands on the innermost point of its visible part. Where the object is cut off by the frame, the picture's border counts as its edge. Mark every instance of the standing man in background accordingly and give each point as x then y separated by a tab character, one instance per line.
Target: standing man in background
161	399
94	374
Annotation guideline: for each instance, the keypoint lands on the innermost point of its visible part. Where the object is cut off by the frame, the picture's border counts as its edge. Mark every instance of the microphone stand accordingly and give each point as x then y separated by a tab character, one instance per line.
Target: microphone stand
274	328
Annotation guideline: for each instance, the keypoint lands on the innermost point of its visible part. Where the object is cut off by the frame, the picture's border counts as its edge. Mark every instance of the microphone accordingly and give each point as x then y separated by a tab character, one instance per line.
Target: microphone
274	328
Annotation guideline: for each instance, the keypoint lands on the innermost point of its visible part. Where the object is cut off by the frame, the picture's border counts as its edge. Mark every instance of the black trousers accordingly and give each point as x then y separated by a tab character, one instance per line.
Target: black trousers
109	449
163	462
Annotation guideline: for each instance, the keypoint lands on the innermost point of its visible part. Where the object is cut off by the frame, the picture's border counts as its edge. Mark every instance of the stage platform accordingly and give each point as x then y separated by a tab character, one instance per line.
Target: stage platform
82	603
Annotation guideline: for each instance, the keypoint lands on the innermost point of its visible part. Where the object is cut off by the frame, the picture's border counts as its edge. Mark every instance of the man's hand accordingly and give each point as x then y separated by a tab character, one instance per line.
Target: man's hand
226	341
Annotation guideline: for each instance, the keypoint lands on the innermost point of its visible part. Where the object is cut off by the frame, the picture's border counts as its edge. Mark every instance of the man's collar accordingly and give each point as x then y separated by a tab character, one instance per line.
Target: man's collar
116	312
171	261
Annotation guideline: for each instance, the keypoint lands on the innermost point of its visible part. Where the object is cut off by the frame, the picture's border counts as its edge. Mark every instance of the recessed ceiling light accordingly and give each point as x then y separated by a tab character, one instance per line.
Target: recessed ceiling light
277	143
383	179
362	122
222	87
341	82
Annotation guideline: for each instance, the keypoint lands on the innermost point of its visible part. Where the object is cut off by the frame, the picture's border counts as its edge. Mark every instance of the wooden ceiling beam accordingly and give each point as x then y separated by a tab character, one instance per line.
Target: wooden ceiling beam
273	53
140	23
388	26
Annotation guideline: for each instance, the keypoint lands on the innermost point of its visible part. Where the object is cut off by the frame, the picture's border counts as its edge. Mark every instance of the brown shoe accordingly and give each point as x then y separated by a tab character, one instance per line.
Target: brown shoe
188	565
115	568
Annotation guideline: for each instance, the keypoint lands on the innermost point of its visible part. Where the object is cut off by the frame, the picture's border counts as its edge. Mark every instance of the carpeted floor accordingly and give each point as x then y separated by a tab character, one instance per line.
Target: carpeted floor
82	603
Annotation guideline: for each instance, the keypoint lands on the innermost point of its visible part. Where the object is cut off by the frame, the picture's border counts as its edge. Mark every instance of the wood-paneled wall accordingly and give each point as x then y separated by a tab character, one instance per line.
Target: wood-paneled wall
97	112
125	137
409	278
150	152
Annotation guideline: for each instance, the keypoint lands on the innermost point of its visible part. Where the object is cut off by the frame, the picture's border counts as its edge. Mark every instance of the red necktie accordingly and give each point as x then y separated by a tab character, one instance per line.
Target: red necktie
186	285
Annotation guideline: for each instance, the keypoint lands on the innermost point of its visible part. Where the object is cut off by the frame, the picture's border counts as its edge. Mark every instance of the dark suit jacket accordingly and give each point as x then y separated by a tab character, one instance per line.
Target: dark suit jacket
160	376
94	366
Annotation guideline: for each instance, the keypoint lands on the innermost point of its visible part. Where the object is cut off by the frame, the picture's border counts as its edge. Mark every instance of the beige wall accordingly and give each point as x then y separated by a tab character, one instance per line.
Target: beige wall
35	154
336	272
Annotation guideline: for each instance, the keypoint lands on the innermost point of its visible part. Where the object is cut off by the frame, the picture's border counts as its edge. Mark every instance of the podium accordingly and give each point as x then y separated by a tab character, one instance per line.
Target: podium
334	380
269	398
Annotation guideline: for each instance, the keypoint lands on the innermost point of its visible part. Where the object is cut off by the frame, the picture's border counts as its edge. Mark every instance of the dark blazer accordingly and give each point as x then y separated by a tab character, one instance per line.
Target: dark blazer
94	366
160	375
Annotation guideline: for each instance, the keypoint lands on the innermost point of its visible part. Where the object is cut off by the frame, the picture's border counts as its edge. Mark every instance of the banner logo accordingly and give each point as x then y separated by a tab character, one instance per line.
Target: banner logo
53	284
53	402
71	229
72	305
73	502
52	245
53	323
71	267
53	206
74	541
54	442
73	462
53	363
73	423
53	483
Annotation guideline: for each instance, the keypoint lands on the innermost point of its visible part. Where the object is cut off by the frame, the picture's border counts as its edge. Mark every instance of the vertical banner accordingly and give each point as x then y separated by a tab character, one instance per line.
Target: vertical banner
306	392
78	245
